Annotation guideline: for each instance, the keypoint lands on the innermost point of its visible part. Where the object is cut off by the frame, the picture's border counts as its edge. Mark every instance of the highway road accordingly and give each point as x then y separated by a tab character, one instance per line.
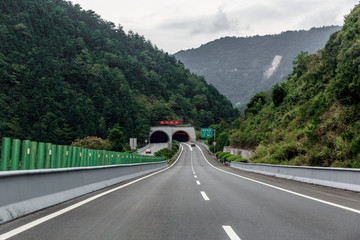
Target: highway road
154	147
198	198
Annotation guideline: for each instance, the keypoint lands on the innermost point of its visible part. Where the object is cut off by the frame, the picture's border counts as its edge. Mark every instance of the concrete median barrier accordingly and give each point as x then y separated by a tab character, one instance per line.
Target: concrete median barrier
26	191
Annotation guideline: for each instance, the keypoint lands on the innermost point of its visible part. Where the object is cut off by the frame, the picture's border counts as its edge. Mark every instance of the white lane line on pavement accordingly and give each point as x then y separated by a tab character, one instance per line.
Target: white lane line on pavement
32	224
231	233
195	176
282	189
188	146
198	182
203	194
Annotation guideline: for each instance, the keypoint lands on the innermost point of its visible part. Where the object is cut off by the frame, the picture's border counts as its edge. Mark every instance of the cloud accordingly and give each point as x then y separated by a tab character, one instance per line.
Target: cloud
176	25
206	24
221	22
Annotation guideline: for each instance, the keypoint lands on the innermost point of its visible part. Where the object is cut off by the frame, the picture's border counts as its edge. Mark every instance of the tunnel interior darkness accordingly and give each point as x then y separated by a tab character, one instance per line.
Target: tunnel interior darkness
159	137
181	136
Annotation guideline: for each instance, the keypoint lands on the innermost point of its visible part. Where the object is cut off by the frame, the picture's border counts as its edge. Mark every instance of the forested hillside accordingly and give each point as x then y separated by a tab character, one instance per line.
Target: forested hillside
67	73
314	117
240	67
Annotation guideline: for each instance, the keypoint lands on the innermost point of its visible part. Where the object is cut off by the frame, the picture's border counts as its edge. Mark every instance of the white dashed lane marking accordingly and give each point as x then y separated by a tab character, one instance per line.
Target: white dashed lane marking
206	198
231	233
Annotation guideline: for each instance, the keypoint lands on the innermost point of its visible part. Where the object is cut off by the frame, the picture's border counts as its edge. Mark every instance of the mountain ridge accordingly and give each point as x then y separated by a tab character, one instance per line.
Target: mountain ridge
236	65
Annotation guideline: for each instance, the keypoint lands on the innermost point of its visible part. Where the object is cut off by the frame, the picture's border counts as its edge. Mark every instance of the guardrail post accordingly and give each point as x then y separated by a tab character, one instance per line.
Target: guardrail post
106	162
122	158
25	155
117	158
86	157
48	152
112	160
40	155
73	157
53	156
15	154
102	157
91	157
5	154
33	148
58	156
81	159
97	162
96	157
64	157
69	158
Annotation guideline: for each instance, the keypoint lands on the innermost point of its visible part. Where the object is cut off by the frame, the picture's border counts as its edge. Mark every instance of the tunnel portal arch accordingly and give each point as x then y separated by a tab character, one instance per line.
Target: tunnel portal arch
159	137
181	136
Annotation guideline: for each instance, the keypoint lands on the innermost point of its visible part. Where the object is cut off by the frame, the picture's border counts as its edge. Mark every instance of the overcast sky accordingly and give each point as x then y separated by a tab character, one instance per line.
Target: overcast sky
183	24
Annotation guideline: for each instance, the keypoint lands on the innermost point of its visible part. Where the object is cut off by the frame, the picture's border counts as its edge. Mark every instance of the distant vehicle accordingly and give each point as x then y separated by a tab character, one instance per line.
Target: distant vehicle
193	144
148	150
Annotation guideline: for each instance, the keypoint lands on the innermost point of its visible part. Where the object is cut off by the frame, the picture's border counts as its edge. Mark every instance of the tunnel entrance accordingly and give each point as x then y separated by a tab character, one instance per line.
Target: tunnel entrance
159	137
181	136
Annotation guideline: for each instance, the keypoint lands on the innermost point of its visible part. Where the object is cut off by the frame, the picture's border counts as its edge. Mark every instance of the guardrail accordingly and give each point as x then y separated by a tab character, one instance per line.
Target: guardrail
203	144
343	178
28	155
27	191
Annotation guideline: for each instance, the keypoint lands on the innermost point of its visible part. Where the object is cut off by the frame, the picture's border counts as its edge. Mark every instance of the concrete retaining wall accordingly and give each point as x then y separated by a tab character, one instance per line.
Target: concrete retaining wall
26	191
237	151
343	178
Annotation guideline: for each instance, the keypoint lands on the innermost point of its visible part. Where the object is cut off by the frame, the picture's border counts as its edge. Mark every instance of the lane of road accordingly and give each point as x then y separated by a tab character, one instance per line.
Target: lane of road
194	200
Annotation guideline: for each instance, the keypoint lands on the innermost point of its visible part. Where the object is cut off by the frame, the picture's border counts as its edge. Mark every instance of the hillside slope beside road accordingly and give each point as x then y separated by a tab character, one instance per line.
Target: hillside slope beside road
194	200
240	67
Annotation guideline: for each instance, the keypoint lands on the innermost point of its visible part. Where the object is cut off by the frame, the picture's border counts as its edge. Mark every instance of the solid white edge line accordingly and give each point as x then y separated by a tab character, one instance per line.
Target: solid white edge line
231	233
32	224
282	189
203	194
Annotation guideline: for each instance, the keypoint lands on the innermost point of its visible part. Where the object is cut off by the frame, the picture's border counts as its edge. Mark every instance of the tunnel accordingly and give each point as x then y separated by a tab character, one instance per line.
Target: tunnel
181	136
159	137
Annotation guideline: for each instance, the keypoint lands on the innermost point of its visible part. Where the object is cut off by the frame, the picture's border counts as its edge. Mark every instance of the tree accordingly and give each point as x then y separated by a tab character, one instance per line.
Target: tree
92	143
278	94
256	103
65	73
117	139
222	140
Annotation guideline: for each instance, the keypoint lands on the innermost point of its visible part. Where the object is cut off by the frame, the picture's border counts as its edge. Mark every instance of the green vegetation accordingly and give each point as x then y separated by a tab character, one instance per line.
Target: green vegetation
92	143
65	73
167	153
228	157
314	117
222	136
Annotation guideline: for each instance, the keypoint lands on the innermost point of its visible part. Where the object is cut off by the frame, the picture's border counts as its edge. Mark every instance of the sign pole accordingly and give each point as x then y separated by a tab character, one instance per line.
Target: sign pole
214	139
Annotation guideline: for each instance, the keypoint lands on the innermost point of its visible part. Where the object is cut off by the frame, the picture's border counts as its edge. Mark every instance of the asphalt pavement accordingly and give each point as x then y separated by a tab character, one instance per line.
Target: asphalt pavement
154	147
199	198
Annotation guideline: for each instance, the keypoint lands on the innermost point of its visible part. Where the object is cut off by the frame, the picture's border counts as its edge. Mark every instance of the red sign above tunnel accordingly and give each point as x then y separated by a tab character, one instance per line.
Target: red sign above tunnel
169	122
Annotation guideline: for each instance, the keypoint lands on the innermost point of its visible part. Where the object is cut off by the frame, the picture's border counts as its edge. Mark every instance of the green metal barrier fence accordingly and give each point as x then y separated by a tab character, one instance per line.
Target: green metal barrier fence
26	155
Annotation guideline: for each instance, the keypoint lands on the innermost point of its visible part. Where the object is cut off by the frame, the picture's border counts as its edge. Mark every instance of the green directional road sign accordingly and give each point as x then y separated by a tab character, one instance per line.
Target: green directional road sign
206	132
